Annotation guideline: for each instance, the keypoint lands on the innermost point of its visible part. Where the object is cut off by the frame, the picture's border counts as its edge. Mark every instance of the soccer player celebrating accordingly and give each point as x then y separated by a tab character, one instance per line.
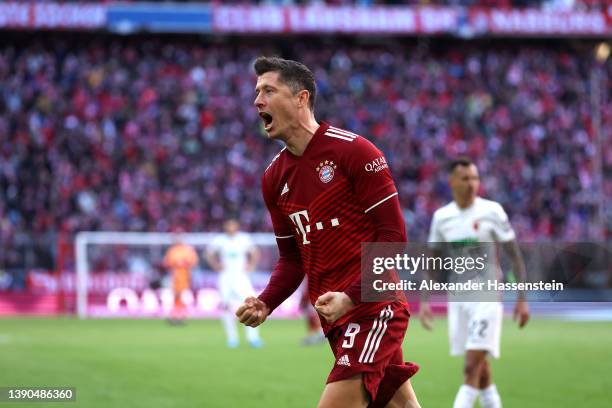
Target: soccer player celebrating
475	327
233	255
327	191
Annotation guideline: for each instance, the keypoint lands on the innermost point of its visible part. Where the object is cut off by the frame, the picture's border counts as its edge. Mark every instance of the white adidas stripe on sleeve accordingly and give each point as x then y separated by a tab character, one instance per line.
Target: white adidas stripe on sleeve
381	201
342	132
348	139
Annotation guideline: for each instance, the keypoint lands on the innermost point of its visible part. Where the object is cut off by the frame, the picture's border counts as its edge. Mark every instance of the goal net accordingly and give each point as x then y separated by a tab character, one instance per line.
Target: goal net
121	274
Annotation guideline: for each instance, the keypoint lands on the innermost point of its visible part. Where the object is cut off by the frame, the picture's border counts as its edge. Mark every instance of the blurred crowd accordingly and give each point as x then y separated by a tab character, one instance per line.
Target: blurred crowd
147	134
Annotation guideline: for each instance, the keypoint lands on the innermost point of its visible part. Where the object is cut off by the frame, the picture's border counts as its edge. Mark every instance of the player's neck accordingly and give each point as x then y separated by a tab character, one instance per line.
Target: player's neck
301	135
465	203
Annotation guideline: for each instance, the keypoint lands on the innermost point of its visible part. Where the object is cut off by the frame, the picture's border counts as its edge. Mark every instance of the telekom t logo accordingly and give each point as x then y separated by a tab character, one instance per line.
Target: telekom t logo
296	218
303	228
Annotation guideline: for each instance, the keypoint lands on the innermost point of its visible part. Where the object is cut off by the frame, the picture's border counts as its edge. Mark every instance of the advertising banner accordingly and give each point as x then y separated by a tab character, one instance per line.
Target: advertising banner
52	16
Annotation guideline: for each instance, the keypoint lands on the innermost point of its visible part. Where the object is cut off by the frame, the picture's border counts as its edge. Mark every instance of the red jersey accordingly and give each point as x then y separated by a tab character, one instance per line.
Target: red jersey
322	199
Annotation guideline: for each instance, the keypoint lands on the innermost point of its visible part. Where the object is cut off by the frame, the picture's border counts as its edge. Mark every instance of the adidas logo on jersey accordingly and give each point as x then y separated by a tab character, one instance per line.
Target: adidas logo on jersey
285	189
344	360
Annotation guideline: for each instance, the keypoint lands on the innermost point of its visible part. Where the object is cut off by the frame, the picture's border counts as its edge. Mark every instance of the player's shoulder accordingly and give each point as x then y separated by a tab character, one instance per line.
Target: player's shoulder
446	211
275	162
333	134
186	248
347	141
244	236
273	172
353	150
490	206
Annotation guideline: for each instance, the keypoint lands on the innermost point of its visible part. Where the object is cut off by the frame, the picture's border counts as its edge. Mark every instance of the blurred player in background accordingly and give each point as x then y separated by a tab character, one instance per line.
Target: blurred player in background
328	191
314	333
180	259
233	255
475	327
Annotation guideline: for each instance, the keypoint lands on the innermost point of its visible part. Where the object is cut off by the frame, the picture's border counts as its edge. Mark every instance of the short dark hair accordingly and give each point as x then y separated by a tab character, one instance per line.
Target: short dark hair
296	75
459	161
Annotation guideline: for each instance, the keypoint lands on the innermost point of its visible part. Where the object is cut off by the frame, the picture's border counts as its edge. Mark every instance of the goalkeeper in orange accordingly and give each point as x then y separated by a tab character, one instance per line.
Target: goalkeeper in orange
180	259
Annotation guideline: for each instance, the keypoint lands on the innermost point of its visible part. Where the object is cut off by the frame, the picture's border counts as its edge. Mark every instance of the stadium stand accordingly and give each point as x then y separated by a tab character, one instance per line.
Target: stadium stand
138	134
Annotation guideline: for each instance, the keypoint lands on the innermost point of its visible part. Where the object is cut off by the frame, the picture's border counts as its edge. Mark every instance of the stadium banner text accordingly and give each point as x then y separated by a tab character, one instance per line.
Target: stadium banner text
484	272
50	15
462	22
318	19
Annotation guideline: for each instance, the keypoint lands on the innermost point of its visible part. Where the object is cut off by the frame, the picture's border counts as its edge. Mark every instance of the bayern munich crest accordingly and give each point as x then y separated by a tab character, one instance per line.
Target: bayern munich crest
326	171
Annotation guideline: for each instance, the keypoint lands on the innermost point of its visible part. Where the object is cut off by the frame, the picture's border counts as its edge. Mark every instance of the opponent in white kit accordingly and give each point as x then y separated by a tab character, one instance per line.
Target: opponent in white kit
467	224
233	255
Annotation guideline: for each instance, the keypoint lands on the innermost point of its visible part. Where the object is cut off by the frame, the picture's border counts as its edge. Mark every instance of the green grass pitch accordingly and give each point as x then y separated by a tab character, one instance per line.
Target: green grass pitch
146	363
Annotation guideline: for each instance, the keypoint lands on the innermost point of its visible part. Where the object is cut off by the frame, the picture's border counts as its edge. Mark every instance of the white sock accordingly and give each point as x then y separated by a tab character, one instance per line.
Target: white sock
252	333
229	324
489	397
466	397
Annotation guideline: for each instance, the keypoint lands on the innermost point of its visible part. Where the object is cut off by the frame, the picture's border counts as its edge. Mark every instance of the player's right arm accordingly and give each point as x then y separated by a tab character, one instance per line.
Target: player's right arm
212	256
287	274
191	257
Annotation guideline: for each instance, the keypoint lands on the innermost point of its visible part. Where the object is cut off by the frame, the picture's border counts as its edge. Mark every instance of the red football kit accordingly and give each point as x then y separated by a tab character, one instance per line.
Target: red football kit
323	205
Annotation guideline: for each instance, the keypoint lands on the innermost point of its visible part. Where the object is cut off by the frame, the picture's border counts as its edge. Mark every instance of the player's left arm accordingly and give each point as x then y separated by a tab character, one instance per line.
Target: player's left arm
506	236
521	309
193	258
371	179
211	255
252	256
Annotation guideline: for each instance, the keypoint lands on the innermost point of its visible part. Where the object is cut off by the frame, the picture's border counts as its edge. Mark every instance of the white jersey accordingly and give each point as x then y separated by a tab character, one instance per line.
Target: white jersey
233	252
483	221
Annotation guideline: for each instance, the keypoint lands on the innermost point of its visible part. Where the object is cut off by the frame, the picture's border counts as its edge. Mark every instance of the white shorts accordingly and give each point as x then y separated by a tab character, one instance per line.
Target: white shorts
475	326
234	288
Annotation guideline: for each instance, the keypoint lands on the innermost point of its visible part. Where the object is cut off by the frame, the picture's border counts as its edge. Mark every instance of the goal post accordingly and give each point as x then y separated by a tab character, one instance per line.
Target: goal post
117	249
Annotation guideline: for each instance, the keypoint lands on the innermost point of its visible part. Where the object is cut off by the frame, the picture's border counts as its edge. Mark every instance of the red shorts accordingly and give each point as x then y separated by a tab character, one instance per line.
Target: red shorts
372	347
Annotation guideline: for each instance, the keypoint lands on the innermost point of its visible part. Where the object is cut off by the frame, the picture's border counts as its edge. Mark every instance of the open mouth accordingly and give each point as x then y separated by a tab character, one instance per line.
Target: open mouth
267	119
